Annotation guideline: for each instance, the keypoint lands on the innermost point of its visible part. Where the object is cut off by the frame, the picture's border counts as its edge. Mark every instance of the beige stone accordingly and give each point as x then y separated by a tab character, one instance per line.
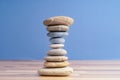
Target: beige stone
58	20
56	64
55	71
56	58
58	28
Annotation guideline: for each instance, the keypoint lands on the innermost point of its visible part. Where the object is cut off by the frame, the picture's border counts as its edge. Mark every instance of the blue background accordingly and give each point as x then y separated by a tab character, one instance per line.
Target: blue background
95	33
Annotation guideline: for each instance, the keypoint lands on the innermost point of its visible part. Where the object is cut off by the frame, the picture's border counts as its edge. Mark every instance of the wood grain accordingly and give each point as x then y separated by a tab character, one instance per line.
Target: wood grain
83	70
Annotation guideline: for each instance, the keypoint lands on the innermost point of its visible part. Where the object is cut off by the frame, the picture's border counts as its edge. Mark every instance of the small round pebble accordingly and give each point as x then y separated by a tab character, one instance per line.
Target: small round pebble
58	20
57	40
57	52
57	34
56	64
56	58
55	46
58	28
55	71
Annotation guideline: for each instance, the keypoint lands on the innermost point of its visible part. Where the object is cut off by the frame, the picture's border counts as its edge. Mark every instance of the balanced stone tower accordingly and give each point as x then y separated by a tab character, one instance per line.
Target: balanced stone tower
56	63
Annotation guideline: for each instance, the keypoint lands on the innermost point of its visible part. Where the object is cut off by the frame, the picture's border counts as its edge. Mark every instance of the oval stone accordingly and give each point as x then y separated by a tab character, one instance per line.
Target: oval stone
57	52
55	71
56	58
56	64
57	40
55	46
57	34
58	28
58	20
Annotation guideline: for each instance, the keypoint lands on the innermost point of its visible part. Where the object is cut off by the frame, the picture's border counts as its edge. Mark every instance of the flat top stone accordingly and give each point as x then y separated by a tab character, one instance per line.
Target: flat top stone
58	20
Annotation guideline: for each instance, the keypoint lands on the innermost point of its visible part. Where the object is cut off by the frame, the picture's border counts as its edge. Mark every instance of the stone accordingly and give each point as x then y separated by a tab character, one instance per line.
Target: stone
57	52
57	34
55	46
56	64
58	20
57	40
55	71
58	28
56	58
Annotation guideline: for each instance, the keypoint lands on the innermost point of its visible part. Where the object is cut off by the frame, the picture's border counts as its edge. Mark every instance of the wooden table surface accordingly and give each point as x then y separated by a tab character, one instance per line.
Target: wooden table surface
83	70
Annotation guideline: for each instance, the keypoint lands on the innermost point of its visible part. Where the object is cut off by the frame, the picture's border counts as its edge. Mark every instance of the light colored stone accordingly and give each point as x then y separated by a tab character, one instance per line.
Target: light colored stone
56	58
58	20
57	34
56	64
55	71
57	28
57	40
55	46
57	52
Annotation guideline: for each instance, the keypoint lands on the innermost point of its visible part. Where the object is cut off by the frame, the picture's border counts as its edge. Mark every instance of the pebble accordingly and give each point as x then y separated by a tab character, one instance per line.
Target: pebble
55	71
57	40
56	58
57	34
58	28
55	46
57	52
56	64
58	20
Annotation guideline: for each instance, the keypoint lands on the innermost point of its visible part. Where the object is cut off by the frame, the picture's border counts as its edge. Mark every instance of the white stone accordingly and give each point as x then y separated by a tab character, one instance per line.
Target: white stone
54	46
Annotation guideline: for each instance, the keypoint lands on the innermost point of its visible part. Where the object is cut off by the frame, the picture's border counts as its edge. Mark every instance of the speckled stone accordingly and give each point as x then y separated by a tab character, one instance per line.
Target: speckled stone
57	40
57	28
56	64
55	71
56	58
57	52
58	20
56	46
57	34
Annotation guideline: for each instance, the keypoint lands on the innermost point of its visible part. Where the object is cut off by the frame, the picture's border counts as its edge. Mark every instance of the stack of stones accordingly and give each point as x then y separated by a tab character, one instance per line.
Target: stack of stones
56	62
